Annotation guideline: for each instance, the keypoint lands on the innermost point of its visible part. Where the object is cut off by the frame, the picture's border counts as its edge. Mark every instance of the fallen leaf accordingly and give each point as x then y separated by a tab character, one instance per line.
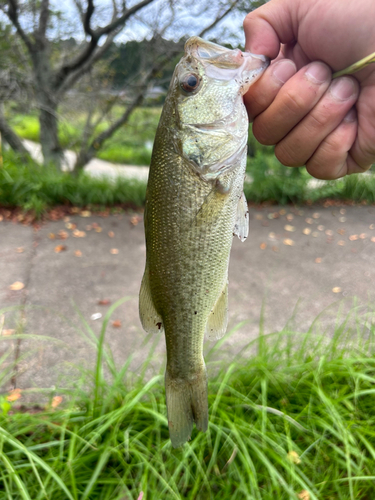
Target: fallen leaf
17	285
14	395
341	231
293	457
135	220
75	210
56	401
85	213
51	236
8	332
329	232
116	323
60	248
304	495
114	251
342	211
104	302
98	229
272	235
289	217
372	226
342	219
336	289
288	242
276	249
63	235
373	239
315	234
318	260
111	234
353	237
341	243
309	221
282	211
316	215
363	236
306	231
320	228
263	246
69	225
79	234
259	216
289	228
88	227
66	219
1	218
20	250
78	253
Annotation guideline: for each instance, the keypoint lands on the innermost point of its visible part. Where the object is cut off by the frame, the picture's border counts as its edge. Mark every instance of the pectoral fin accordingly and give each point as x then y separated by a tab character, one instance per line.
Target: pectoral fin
150	319
241	227
218	318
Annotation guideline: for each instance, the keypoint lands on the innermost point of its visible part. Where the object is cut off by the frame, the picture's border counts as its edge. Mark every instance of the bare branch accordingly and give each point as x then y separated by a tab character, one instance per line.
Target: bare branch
95	35
219	18
76	75
43	19
12	13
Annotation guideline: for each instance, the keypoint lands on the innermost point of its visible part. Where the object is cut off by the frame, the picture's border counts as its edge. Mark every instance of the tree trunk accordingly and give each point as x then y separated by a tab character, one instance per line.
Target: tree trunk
51	149
47	104
12	138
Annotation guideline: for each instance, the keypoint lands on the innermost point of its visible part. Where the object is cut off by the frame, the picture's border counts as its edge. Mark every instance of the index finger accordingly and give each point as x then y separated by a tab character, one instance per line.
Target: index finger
263	92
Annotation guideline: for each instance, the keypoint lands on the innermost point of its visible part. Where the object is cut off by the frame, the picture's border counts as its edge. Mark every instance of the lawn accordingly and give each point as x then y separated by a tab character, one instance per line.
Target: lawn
291	418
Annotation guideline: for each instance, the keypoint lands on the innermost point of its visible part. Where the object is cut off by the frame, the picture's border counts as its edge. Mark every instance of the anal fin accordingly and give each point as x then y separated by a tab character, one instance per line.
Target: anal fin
218	319
150	318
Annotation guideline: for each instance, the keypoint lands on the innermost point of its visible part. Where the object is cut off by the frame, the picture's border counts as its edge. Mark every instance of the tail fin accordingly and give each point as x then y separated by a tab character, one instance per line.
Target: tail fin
186	403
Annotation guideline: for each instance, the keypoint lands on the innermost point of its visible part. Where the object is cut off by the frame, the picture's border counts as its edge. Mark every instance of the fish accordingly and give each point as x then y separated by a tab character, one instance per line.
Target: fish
194	205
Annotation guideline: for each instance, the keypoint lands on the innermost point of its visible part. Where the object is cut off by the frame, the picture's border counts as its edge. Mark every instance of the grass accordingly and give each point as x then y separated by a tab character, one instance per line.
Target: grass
35	188
291	418
131	144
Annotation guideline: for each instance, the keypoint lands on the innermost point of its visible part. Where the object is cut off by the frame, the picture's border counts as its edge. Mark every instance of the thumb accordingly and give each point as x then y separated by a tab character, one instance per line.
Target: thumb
270	25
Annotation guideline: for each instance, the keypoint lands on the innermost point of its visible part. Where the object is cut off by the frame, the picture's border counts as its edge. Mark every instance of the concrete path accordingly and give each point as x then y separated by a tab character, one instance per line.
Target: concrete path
73	271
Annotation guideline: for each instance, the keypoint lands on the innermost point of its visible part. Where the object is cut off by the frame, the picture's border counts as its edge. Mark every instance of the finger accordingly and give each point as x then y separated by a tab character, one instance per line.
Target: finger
332	160
363	150
301	143
263	92
294	101
268	26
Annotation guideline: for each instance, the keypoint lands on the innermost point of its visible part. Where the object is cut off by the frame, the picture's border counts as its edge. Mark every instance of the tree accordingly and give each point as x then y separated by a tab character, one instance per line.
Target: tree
58	62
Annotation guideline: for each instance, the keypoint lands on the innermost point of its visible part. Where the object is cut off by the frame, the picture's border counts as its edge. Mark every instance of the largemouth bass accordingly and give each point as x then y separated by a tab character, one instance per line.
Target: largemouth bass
194	205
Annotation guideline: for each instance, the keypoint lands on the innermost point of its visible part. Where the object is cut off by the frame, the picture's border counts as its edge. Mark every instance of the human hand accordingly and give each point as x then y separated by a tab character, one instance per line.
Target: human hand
327	125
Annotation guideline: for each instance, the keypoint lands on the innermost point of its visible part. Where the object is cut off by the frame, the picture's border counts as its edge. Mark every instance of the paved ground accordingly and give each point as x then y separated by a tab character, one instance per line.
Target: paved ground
318	258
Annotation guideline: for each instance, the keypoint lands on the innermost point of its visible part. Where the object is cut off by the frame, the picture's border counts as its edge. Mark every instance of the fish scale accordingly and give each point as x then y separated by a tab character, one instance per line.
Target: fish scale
194	205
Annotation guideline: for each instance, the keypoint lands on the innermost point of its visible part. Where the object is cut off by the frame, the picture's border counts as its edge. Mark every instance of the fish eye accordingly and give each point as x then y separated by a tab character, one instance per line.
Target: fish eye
190	82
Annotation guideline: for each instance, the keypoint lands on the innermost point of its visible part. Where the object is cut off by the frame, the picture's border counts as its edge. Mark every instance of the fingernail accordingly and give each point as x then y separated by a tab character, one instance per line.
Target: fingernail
351	116
342	88
283	70
318	72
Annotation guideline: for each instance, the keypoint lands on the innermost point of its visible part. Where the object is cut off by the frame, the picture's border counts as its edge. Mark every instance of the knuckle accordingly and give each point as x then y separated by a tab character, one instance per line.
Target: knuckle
285	156
261	133
294	101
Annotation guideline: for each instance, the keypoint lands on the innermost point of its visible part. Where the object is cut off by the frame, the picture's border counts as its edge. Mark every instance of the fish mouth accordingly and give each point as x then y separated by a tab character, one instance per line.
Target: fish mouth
227	64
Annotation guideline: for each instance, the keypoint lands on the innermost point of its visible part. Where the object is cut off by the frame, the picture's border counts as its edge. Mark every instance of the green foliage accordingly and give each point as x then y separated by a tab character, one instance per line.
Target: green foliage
36	188
297	415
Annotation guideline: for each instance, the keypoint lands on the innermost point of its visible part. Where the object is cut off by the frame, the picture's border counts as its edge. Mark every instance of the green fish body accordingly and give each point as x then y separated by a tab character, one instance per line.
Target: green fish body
194	205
